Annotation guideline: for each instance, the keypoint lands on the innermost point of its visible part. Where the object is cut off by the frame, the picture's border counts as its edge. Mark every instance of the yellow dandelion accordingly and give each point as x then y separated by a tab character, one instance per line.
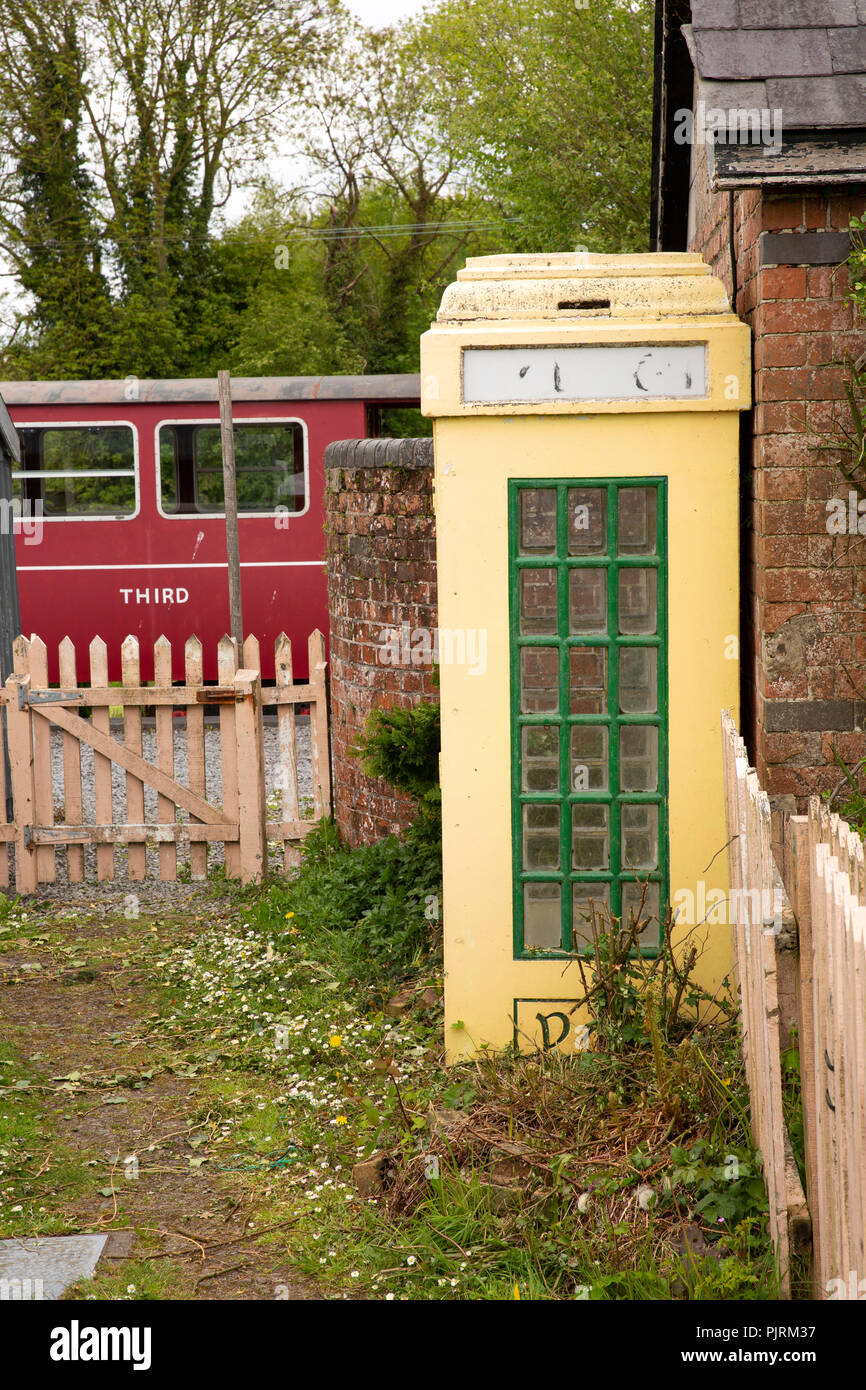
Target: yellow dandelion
341	1120
336	1040
517	1292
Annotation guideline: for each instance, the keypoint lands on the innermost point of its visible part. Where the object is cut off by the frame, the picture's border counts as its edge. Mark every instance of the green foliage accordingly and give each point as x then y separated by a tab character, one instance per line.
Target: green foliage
852	807
483	127
109	216
634	998
377	904
402	746
857	263
792	1101
848	441
549	110
724	1187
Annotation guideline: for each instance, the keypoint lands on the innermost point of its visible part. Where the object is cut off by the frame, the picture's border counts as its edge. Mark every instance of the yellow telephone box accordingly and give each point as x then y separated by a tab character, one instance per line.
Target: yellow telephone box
587	510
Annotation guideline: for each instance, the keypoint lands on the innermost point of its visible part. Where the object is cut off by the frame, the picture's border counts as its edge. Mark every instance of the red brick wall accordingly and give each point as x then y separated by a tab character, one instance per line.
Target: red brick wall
381	559
803	635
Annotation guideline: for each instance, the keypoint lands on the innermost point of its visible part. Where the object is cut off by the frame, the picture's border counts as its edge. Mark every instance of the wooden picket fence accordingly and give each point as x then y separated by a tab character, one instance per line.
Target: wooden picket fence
800	881
183	813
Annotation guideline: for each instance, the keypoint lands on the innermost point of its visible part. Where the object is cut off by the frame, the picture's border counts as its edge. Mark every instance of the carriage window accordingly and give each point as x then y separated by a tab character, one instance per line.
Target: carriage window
86	470
269	458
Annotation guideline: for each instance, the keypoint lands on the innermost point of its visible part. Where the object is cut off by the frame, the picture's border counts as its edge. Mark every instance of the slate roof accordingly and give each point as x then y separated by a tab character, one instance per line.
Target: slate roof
805	57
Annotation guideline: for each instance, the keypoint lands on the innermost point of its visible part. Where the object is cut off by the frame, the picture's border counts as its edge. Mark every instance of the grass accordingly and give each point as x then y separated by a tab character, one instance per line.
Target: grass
36	1174
309	1018
141	1280
627	1173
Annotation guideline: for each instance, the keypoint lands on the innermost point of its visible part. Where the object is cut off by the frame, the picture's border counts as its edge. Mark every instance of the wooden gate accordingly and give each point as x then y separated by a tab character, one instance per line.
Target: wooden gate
48	817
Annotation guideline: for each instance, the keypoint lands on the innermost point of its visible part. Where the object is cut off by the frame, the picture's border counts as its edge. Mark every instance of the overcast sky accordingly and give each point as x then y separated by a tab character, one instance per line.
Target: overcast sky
377	13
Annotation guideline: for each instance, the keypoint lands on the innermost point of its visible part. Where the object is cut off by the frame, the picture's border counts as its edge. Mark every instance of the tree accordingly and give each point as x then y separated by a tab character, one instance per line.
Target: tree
400	218
548	106
48	216
142	114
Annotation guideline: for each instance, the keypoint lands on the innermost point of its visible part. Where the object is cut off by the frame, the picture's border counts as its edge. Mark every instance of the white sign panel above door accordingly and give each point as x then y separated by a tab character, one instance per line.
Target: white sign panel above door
498	376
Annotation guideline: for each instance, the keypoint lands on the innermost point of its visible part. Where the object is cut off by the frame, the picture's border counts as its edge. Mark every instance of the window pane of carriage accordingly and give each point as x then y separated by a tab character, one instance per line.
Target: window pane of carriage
590	837
537	520
74	449
587	601
88	496
587	520
638	693
588	680
637	520
638	758
542	921
588	757
540	838
539	679
640	903
589	899
84	453
269	461
537	602
639	836
540	758
638	610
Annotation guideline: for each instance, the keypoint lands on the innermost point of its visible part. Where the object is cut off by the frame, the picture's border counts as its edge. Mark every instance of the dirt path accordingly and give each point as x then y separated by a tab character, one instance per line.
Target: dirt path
122	1132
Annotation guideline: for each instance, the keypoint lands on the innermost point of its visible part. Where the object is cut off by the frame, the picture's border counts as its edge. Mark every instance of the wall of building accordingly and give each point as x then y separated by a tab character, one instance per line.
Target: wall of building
803	590
381	561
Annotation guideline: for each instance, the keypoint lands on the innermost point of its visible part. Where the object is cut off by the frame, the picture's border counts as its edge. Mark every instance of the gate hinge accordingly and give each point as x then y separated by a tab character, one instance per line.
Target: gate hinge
47	697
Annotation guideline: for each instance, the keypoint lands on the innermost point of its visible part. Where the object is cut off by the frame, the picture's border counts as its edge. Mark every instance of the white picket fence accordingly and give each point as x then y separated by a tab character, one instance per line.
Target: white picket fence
811	875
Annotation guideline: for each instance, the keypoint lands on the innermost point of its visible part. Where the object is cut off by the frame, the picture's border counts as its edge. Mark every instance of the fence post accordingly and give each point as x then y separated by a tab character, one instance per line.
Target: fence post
20	734
800	892
319	740
252	821
227	665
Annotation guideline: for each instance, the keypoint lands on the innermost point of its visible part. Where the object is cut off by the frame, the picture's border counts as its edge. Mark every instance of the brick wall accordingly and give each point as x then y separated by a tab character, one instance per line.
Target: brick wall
804	591
381	559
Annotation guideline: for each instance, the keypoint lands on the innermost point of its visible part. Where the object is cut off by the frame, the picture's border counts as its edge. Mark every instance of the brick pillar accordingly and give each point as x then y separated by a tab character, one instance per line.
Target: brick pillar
381	559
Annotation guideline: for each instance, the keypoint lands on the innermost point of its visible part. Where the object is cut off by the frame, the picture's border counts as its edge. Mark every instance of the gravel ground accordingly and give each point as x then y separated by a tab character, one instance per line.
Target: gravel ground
213	781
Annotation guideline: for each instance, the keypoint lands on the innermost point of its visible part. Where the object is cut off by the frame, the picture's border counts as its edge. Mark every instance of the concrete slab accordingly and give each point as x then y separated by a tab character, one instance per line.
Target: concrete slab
43	1267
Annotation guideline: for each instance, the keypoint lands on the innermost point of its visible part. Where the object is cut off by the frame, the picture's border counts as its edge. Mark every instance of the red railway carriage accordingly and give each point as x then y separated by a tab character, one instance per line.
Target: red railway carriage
122	527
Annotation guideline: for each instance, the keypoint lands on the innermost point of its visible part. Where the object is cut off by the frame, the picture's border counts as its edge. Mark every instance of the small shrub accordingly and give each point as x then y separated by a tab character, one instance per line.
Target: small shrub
382	900
402	746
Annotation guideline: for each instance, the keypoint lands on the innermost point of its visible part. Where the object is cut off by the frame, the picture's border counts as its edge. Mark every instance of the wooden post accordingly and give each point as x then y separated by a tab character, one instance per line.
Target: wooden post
230	490
227	665
252	815
4	844
20	732
319	742
72	797
858	985
195	749
801	892
165	807
130	665
46	868
288	773
103	799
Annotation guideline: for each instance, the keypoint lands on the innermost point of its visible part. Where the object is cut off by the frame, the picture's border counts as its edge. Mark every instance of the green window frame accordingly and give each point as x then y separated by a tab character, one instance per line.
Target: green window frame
589	719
